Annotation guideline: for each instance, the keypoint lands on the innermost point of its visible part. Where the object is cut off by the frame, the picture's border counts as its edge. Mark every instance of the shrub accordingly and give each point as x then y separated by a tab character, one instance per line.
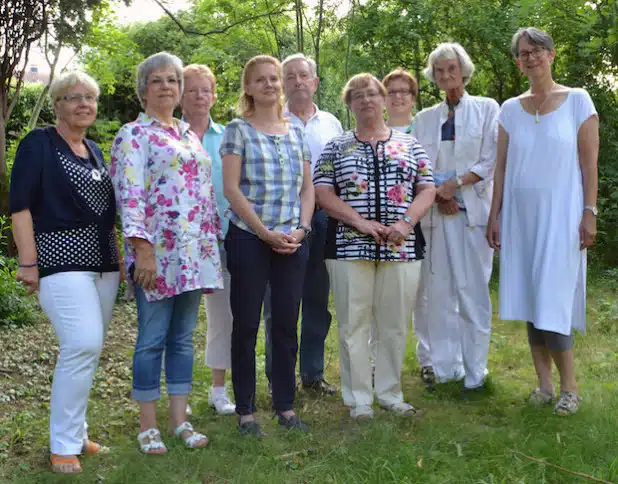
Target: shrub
16	307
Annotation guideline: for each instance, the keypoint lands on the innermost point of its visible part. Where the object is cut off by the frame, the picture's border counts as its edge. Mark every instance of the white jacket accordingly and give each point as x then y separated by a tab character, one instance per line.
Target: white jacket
476	139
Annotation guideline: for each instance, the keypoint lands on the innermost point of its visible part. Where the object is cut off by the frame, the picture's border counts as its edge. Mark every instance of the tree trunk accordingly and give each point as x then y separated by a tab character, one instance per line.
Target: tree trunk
317	45
2	142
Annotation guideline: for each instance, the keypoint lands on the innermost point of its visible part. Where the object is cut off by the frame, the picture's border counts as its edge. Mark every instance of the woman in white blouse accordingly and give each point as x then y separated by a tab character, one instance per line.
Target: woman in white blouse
453	316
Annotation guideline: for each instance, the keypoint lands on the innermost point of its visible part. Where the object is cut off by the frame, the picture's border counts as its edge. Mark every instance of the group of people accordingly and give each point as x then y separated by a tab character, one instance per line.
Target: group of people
399	217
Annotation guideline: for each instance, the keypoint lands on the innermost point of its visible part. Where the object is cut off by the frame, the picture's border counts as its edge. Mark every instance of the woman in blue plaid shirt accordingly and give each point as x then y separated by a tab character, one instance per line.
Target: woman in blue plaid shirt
267	180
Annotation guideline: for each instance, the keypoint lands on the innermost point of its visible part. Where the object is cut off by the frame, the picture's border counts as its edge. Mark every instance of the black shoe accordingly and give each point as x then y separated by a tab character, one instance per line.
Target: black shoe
250	427
320	387
292	422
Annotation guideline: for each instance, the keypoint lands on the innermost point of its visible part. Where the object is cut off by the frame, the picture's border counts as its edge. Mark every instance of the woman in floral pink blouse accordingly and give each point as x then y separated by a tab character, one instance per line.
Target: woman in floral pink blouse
162	178
376	184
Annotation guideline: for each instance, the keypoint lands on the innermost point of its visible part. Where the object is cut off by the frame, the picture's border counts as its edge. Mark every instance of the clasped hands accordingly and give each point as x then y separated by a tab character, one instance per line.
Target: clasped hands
396	233
281	243
445	197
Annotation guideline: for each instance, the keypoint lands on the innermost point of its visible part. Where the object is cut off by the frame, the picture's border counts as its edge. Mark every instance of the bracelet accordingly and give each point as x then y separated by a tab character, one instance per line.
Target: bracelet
27	266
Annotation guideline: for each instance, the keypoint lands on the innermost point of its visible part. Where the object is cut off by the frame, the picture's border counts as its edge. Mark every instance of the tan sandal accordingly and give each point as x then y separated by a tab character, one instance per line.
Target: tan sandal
65	464
94	448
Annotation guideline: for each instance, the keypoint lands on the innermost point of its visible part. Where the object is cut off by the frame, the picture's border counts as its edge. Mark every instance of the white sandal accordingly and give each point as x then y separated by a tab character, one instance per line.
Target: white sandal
192	441
150	440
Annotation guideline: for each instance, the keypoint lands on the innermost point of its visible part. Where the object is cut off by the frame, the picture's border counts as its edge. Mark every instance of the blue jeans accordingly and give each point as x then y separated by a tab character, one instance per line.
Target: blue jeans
316	317
167	324
252	264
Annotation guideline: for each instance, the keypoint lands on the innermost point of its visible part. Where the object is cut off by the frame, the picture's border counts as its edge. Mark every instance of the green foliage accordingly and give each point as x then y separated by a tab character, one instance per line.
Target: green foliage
17	307
23	110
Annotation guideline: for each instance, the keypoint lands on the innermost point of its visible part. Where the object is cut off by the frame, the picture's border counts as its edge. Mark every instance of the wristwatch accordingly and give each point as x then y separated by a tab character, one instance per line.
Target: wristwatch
407	220
592	208
305	229
459	181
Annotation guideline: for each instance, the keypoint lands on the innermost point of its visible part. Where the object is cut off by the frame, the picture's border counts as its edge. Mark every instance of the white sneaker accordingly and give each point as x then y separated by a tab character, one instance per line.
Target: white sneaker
220	400
401	408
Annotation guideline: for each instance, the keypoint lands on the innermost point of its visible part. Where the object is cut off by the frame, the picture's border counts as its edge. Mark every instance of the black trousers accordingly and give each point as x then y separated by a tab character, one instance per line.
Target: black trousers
252	263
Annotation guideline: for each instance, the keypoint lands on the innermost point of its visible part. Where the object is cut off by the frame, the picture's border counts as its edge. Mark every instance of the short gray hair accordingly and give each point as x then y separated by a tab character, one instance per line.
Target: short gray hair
448	51
532	35
66	80
157	61
312	65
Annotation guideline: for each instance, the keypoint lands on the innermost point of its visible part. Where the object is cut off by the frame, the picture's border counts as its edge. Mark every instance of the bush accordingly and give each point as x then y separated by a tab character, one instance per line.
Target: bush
16	307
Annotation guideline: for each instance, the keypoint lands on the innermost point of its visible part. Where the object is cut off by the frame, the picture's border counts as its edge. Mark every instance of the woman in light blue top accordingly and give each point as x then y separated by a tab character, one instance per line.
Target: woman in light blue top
198	98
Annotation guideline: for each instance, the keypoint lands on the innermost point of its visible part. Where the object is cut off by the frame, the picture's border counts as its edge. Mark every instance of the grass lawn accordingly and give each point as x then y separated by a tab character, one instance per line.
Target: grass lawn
491	438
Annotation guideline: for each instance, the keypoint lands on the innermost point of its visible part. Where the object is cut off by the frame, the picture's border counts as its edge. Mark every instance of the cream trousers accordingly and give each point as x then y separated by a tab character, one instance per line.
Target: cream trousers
376	297
219	323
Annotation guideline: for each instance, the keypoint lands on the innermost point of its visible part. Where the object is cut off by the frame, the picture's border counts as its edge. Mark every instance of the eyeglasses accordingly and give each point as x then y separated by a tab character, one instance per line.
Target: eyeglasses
526	54
357	96
78	98
158	81
402	92
203	90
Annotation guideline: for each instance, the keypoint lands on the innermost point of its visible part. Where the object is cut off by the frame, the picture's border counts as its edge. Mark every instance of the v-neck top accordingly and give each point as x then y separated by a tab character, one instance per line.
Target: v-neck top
73	212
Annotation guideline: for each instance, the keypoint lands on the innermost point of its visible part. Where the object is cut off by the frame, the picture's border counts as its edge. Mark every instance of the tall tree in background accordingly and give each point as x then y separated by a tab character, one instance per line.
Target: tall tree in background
22	22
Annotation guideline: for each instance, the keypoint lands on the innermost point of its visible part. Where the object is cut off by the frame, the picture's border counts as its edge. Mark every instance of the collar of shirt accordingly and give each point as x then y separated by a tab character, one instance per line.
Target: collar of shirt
295	119
444	106
146	120
214	127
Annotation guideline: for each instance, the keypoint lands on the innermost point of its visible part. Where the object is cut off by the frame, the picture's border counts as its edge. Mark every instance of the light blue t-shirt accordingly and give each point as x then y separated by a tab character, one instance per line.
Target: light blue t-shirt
211	143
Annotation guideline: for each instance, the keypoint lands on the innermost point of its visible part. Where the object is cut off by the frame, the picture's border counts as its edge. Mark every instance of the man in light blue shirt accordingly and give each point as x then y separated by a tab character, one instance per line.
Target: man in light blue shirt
198	97
300	83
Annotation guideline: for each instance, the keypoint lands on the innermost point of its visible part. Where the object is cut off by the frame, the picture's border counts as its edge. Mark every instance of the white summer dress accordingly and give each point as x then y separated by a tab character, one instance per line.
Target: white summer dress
542	270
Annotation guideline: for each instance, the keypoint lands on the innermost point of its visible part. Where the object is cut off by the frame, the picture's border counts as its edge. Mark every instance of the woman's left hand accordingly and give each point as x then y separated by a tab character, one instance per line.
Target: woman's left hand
299	235
587	230
399	232
447	190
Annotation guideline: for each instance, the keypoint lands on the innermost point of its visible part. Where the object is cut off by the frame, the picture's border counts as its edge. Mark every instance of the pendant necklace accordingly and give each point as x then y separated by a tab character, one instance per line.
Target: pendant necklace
536	117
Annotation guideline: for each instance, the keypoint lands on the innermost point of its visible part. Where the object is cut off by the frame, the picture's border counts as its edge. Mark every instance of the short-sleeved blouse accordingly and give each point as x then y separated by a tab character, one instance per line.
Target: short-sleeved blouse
380	185
271	175
165	196
72	207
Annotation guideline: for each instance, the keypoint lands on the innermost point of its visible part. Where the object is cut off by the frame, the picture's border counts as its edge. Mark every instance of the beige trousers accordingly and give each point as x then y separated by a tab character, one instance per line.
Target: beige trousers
219	323
376	297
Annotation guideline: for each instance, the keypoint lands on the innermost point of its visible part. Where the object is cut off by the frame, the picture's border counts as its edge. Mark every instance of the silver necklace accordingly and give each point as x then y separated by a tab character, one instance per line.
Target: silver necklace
536	117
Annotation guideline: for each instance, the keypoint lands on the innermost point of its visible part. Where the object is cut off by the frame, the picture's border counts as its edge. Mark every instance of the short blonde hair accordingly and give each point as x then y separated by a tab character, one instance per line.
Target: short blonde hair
448	51
246	104
66	80
359	81
404	75
201	70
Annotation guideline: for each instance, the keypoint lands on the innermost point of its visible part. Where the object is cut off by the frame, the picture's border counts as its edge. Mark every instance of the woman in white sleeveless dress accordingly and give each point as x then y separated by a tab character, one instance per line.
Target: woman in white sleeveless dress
543	214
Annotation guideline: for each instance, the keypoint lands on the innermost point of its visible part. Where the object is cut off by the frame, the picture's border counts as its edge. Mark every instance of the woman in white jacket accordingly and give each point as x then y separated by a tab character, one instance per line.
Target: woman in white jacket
453	316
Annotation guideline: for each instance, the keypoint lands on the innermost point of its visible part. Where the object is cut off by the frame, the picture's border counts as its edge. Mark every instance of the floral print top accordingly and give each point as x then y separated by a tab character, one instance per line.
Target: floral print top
379	185
162	178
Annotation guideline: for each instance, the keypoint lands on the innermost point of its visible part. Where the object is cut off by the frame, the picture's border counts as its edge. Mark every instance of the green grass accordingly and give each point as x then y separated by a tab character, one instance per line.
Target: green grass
476	441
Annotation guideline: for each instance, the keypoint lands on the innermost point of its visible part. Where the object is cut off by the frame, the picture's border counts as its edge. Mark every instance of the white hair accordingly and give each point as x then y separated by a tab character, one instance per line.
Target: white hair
157	61
448	51
61	84
312	65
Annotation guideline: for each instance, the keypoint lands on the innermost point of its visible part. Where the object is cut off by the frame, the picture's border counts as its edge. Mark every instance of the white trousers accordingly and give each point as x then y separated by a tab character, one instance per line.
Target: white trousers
453	316
377	298
219	320
79	306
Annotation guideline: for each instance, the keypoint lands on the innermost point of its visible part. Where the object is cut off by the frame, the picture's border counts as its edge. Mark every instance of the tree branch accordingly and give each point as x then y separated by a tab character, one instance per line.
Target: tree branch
221	30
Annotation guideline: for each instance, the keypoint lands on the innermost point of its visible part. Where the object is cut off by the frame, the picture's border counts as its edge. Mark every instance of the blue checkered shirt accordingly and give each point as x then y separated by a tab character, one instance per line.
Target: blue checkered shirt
271	174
